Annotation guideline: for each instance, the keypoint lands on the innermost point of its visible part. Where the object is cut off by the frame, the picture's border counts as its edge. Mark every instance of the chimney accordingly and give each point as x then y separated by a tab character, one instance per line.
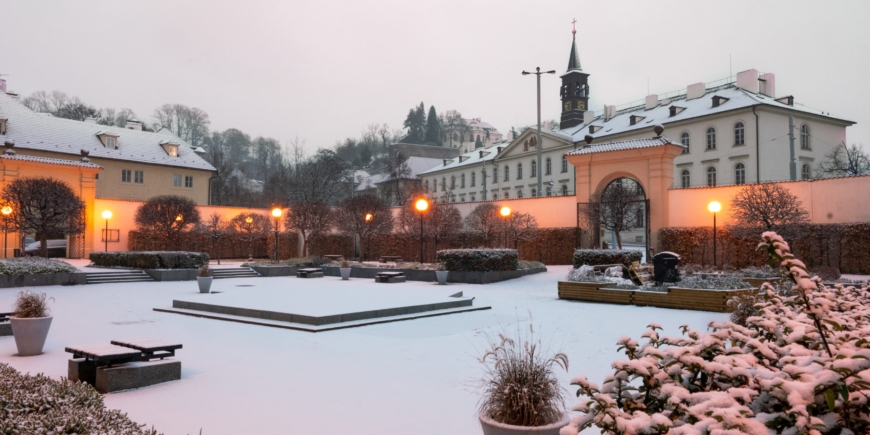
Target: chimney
696	90
133	125
609	112
651	101
767	85
588	117
3	86
91	120
748	80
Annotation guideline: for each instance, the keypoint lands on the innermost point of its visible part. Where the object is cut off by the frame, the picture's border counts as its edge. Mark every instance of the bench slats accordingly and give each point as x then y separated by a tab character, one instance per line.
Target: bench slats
103	352
148	345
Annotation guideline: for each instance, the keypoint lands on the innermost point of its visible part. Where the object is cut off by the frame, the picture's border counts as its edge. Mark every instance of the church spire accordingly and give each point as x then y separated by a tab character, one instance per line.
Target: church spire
574	60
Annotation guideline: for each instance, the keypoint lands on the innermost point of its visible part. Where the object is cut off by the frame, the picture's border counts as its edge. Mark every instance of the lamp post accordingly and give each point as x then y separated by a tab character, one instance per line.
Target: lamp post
539	144
276	213
368	219
108	215
250	220
6	210
421	205
505	213
714	207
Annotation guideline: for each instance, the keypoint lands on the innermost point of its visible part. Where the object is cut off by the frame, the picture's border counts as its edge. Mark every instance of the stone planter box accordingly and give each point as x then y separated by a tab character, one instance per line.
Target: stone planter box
275	270
429	275
172	274
41	279
676	297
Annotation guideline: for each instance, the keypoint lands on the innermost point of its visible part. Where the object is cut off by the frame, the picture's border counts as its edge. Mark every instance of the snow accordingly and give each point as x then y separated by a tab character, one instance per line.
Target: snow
418	376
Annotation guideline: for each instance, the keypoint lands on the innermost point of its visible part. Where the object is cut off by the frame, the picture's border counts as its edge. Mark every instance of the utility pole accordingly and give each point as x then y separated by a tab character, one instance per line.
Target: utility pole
539	145
792	165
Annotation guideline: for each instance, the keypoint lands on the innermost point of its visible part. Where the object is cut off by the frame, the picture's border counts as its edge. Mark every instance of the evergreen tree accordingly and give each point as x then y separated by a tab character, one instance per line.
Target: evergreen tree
433	127
420	123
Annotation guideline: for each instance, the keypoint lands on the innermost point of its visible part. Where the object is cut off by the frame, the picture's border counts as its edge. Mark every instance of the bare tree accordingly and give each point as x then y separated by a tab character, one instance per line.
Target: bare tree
188	123
45	206
767	205
843	160
397	188
484	220
253	225
318	180
618	208
364	216
217	230
519	227
444	221
310	218
167	215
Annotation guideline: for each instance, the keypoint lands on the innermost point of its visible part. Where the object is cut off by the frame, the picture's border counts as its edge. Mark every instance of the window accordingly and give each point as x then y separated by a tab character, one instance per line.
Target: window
685	178
519	171
805	137
506	173
425	185
452	182
740	174
188	181
462	181
564	164
472	198
549	191
519	193
507	195
126	175
711	138
549	167
176	180
435	185
472	179
711	176
806	172
494	174
534	193
494	195
443	183
684	139
139	177
564	190
738	134
534	168
111	142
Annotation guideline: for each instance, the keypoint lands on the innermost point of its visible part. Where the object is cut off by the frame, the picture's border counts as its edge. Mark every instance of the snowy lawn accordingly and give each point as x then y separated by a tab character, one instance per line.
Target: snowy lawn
415	376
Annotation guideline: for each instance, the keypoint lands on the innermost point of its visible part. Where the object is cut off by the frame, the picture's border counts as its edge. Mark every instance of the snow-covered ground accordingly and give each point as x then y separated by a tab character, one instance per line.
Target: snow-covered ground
407	377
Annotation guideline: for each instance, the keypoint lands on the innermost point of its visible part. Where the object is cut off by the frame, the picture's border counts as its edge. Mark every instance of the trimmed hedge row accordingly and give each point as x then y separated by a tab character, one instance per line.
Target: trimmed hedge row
594	257
150	260
479	260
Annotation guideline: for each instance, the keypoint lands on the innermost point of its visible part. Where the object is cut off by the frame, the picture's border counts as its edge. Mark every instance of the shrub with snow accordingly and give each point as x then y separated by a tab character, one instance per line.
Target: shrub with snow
721	282
594	257
34	265
588	274
479	260
150	259
801	366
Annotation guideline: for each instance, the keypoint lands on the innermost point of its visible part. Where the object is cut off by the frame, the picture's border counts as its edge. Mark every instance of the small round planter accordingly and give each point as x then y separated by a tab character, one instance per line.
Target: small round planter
492	427
345	273
204	283
30	334
442	276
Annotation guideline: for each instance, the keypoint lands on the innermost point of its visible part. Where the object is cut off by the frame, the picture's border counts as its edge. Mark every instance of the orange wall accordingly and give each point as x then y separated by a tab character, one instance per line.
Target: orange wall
551	211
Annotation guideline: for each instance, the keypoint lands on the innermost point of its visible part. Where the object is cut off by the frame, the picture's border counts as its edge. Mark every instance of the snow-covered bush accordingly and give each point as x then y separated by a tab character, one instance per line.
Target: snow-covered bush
41	405
588	274
479	260
526	264
150	259
721	282
801	366
759	272
594	257
34	265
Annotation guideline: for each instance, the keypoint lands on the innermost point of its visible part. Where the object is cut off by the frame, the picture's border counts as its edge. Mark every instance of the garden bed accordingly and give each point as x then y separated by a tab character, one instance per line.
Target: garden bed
674	297
38	271
275	270
464	277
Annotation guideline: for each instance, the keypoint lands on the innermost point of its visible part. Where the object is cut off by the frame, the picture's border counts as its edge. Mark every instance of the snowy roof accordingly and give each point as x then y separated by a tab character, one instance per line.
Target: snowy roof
624	145
50	161
35	131
703	106
477	156
416	165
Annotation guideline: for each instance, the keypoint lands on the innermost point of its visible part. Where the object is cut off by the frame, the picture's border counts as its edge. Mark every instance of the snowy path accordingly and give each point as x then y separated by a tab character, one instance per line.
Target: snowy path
408	377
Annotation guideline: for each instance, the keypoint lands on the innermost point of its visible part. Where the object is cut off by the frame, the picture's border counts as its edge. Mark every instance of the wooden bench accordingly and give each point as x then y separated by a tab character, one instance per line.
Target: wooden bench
124	364
310	272
334	257
390	258
390	277
151	348
5	325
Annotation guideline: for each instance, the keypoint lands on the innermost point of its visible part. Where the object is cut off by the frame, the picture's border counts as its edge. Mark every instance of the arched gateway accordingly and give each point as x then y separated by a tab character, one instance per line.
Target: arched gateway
646	163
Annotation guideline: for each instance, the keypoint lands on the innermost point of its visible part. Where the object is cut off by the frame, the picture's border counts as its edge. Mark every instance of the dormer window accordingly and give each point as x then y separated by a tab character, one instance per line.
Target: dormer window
2	125
594	128
788	100
170	148
635	119
718	101
109	141
675	110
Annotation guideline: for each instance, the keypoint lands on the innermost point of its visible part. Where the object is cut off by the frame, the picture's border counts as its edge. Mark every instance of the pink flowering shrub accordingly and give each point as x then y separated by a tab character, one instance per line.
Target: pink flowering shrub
801	366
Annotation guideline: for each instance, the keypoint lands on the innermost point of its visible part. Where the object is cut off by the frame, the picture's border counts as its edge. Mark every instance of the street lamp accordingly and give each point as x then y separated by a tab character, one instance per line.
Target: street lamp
714	207
421	205
276	213
539	145
505	212
249	220
108	215
6	210
368	219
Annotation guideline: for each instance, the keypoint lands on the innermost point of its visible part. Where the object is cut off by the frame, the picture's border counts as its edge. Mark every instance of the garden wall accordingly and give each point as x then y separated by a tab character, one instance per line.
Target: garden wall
680	298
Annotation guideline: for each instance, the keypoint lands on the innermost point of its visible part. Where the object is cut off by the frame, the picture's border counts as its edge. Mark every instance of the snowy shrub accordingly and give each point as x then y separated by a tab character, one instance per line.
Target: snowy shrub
594	257
800	366
41	405
150	260
519	386
743	307
525	264
29	305
721	282
588	274
759	272
34	265
479	260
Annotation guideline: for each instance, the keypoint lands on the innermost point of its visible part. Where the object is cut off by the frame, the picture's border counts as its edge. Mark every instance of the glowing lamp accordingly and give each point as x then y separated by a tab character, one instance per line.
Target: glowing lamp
714	207
7	210
505	211
106	214
249	220
276	212
421	205
369	217
179	218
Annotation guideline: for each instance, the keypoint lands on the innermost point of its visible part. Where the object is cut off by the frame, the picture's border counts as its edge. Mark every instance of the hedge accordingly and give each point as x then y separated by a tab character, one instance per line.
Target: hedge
594	257
150	260
479	260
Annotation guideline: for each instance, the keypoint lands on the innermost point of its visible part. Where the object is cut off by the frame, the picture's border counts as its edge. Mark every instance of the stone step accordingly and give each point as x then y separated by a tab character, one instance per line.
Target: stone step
118	277
242	272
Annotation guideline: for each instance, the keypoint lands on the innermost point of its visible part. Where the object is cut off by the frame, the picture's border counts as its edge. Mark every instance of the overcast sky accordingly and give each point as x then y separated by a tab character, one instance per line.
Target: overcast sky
323	70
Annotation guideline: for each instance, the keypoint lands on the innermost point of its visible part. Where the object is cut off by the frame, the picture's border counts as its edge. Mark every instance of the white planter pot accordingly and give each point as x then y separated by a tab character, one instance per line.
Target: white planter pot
442	276
492	427
345	273
204	283
30	334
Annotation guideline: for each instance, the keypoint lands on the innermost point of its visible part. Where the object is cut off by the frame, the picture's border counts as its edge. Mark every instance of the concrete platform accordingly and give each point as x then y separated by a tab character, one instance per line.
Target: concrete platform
390	279
124	376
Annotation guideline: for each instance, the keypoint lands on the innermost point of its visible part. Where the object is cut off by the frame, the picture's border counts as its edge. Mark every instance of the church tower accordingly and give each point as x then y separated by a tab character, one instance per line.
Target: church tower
575	89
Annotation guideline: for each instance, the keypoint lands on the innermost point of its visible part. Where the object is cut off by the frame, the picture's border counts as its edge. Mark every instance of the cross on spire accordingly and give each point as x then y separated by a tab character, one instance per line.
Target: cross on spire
574	26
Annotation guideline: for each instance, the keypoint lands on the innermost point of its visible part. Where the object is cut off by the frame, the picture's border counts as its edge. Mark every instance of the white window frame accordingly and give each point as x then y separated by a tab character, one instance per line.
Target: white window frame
805	137
126	176
139	177
564	164
711	138
548	165
711	181
177	180
188	181
806	172
740	173
739	133
685	178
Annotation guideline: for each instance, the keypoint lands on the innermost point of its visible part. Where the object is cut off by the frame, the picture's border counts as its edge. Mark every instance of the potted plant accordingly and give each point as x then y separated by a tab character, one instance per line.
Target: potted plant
521	394
441	273
344	268
204	278
30	322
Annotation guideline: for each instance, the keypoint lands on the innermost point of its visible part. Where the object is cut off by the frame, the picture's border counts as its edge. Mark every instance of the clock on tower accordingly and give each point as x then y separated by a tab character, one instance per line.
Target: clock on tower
575	89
